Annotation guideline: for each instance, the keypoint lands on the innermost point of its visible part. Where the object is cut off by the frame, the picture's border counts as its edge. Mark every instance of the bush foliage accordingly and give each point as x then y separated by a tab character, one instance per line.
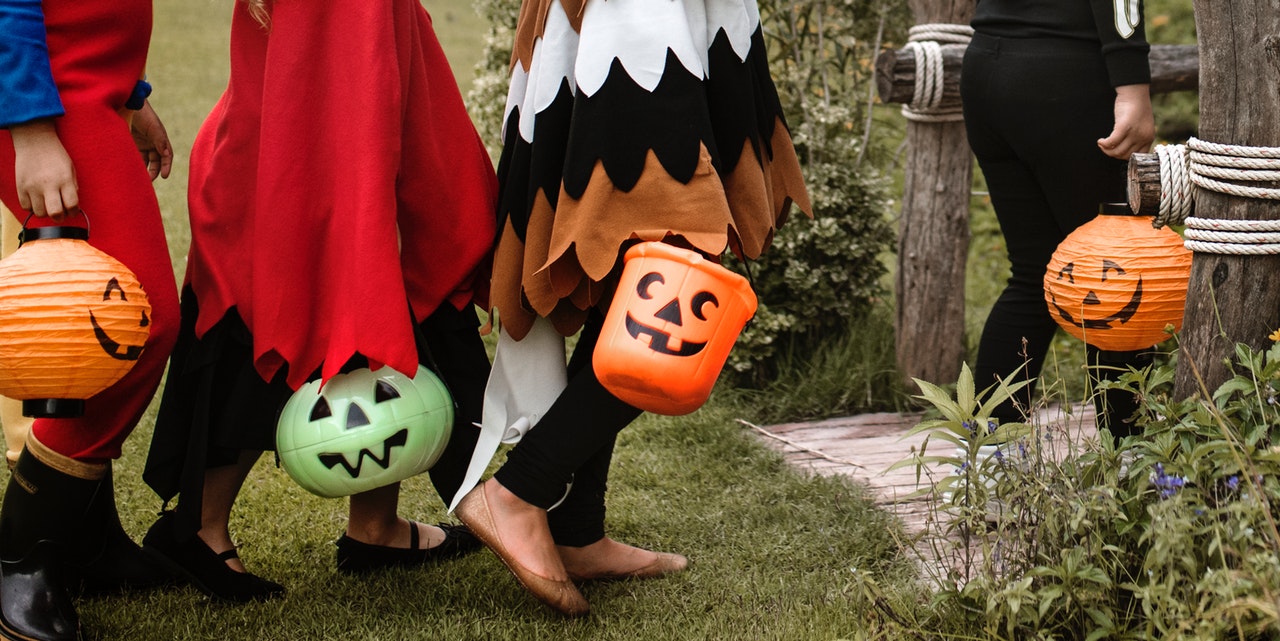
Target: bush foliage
823	273
1168	535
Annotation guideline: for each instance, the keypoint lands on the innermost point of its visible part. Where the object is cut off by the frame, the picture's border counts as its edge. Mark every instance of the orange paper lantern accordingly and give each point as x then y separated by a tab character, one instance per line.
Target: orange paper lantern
1116	282
670	327
73	321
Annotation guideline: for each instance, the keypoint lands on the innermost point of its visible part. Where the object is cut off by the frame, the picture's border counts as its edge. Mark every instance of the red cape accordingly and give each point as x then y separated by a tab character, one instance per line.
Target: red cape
338	181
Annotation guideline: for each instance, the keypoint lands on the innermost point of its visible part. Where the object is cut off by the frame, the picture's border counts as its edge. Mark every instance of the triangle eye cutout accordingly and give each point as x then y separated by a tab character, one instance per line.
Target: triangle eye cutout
356	417
321	410
384	391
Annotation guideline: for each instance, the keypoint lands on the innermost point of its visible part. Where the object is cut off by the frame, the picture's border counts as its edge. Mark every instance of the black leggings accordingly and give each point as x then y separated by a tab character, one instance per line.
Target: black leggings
573	442
1034	109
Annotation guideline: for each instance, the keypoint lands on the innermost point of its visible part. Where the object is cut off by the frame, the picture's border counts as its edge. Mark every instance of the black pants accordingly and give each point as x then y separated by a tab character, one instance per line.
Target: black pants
573	442
1034	109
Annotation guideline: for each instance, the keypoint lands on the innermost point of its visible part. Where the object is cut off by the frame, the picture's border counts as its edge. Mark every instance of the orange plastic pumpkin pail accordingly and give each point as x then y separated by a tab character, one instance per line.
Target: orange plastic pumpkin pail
669	329
73	321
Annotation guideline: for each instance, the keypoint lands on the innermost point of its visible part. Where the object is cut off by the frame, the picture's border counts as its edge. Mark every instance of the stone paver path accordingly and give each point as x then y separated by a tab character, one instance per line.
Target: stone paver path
864	447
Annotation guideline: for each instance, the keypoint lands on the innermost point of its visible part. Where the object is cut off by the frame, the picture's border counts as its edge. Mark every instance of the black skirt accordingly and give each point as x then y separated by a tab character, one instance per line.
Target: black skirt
215	404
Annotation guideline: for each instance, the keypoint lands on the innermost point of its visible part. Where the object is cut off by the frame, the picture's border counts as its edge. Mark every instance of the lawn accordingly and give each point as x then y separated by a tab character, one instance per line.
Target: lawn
775	554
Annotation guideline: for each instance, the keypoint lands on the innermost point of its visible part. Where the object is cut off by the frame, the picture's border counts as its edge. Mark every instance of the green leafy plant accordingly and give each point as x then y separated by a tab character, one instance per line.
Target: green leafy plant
979	445
1167	535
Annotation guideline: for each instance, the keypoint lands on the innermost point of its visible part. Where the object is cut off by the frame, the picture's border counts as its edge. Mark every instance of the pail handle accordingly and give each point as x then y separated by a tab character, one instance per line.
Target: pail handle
53	231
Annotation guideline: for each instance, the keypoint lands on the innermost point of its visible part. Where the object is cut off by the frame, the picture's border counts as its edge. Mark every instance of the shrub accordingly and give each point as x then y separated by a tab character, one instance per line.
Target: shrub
1170	535
822	273
1177	114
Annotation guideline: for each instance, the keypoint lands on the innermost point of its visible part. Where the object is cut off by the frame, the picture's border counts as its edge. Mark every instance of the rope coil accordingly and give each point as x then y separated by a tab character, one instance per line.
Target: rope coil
1236	237
1176	195
1213	164
1226	169
925	44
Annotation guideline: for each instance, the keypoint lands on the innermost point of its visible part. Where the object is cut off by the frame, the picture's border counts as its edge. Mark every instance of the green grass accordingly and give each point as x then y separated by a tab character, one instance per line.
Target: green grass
851	373
773	556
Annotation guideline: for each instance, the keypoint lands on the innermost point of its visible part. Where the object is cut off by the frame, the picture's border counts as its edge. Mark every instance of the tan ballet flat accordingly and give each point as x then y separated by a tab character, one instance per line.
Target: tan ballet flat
561	595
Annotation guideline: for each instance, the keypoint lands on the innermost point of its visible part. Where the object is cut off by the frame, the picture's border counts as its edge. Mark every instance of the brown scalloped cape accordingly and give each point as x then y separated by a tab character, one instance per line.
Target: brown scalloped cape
633	120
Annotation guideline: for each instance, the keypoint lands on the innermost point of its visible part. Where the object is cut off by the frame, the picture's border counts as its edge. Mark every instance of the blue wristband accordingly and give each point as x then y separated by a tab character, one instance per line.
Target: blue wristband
139	96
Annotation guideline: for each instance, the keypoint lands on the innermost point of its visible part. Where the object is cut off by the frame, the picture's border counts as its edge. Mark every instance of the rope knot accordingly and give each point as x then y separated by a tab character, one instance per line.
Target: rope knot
925	44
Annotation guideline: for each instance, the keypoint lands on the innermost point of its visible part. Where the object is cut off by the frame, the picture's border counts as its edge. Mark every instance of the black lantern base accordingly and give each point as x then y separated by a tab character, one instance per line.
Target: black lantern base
53	407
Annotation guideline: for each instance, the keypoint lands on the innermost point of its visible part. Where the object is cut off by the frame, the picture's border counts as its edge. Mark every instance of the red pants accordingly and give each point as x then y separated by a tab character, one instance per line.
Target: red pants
98	51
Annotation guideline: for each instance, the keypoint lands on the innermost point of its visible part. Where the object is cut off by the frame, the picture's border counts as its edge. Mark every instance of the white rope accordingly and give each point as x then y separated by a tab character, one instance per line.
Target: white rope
1231	248
1220	168
1218	224
924	43
1213	164
941	32
1235	237
1175	187
1243	238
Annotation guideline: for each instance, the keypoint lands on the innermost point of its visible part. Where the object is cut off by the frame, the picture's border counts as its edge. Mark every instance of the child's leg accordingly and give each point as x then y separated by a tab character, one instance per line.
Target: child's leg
16	426
221	486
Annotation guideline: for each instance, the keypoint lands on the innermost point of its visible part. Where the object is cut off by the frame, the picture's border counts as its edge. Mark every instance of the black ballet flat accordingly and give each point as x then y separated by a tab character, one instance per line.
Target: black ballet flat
355	557
205	569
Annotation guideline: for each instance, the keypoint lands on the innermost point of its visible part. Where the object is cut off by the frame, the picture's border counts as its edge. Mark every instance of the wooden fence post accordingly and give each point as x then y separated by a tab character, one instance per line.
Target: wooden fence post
933	236
1233	298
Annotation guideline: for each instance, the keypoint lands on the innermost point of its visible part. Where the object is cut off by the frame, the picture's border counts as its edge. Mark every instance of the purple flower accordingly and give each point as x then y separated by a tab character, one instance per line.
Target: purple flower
1167	484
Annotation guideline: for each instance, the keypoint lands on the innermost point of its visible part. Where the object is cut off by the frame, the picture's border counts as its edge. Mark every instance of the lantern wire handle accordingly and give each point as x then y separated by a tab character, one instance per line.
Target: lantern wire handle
22	235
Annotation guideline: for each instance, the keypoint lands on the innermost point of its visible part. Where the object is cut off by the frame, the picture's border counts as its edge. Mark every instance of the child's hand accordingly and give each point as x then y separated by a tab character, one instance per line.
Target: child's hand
153	141
1135	127
43	172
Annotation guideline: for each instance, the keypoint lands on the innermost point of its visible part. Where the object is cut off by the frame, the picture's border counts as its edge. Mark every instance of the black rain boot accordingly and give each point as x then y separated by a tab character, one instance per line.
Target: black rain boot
42	507
105	559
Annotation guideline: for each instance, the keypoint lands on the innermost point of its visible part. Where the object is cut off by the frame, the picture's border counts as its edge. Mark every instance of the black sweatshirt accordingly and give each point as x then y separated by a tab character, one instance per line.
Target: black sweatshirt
1116	25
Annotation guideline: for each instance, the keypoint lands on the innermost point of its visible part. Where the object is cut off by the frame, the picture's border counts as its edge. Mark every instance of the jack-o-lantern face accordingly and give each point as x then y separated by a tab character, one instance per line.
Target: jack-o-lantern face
73	320
363	430
669	328
670	314
1117	283
110	346
1104	315
357	419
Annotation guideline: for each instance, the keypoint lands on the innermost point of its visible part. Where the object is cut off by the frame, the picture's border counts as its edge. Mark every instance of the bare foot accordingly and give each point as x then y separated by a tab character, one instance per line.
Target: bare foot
395	534
609	559
524	531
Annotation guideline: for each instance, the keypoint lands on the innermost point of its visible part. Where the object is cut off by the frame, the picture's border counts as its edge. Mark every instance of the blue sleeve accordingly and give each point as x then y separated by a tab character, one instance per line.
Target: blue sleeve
27	90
